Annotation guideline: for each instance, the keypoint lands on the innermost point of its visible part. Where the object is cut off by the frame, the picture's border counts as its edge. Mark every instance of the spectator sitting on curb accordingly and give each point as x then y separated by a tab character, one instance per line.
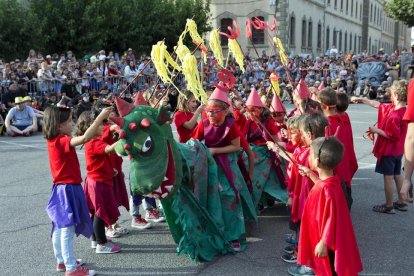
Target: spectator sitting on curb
21	119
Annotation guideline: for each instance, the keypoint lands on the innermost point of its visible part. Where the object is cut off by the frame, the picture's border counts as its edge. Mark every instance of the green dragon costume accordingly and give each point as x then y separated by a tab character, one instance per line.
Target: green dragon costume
183	176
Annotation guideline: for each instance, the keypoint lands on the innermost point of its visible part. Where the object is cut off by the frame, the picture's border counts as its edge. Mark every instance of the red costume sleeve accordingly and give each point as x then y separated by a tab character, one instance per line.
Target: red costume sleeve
179	118
198	132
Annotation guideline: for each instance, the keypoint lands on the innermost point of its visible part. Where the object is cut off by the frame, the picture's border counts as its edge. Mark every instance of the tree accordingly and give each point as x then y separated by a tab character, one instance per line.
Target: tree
18	30
401	10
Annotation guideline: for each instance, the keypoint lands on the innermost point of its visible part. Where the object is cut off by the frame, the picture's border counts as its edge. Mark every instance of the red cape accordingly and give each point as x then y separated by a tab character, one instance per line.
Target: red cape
349	147
326	217
299	182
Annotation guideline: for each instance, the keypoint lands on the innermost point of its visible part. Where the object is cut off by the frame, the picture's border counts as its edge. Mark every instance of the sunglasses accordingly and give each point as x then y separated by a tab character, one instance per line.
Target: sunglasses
213	111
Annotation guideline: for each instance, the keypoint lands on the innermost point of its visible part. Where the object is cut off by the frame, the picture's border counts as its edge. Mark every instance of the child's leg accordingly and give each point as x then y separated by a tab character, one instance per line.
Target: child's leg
399	182
149	203
68	254
388	189
57	248
99	230
331	255
134	203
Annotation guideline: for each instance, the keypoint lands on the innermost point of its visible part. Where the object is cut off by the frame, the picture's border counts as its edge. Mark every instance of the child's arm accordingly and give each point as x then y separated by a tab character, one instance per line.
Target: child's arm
233	147
273	147
379	131
193	121
305	171
372	103
110	148
91	131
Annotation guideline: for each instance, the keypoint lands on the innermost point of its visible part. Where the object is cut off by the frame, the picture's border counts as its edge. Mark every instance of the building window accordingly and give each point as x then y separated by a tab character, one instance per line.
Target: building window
375	14
224	23
346	43
350	42
360	12
370	14
327	38
356	10
310	31
340	41
336	4
355	41
292	30
342	5
369	45
346	6
334	37
329	2
258	36
319	41
303	32
352	7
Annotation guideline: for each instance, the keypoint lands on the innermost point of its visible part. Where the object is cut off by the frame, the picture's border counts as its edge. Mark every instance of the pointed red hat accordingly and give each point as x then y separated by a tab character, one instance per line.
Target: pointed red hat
140	100
302	90
277	105
254	99
124	107
321	86
220	93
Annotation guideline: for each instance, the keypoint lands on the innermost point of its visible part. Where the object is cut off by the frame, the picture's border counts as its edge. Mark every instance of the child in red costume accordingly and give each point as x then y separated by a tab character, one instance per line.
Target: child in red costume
311	126
119	187
346	168
185	119
389	146
100	197
67	207
239	110
327	243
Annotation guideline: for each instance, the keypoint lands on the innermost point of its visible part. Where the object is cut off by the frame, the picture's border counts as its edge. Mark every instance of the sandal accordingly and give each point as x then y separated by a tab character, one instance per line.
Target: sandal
383	209
400	206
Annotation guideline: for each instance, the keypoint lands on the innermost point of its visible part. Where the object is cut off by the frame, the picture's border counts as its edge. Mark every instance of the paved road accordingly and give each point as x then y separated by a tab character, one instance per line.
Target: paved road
385	241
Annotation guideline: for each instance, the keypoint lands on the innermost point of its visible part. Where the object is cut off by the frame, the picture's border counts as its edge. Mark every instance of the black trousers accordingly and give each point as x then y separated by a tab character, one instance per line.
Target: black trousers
98	230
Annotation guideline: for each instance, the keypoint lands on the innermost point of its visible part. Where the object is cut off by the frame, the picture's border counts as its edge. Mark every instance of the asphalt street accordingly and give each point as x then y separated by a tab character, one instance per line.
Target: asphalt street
385	241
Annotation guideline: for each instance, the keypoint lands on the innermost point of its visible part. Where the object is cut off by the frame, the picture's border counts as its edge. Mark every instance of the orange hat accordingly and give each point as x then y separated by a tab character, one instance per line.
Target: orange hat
277	104
302	90
254	99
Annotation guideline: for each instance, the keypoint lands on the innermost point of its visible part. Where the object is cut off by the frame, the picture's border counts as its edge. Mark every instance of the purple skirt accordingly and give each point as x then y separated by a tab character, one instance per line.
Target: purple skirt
67	207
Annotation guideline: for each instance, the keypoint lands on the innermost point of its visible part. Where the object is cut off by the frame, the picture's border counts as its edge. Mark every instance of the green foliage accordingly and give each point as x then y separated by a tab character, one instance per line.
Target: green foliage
402	10
87	26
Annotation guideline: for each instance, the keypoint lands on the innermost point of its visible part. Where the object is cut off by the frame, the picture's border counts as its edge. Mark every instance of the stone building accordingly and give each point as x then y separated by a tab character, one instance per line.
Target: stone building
314	26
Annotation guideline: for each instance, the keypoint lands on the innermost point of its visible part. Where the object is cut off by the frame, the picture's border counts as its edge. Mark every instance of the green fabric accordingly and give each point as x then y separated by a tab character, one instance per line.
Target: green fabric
265	179
195	219
234	213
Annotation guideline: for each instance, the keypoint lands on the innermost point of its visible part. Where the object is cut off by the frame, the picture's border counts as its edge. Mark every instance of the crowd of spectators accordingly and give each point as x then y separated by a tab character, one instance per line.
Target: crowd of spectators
105	74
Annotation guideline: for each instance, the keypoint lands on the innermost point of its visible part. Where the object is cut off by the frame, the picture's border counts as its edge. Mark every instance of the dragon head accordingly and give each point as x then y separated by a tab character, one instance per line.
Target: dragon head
148	142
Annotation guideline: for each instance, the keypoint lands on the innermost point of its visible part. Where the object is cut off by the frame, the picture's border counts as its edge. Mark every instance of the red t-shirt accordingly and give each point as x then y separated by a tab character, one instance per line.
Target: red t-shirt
409	113
107	137
64	163
395	128
180	118
98	163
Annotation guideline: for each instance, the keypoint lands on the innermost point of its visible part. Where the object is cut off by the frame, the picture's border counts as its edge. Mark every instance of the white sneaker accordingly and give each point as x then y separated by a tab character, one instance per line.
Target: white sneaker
112	233
140	223
120	229
107	248
154	216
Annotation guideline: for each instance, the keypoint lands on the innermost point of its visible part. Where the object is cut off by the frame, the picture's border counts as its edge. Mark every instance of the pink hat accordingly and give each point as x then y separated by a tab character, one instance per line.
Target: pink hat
220	93
302	90
277	105
254	99
321	86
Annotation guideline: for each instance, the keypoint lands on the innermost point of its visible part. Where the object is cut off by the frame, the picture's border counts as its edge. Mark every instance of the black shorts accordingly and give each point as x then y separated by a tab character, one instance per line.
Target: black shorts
22	127
389	165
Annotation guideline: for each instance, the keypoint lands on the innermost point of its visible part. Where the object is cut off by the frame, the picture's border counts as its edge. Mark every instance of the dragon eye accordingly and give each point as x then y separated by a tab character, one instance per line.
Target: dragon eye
146	146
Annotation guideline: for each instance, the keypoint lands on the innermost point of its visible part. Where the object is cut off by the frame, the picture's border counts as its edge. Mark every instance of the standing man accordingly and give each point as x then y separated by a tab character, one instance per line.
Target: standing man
407	188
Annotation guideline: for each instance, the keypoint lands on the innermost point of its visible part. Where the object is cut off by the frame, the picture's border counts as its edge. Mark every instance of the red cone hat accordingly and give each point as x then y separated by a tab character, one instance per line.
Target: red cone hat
254	99
302	90
277	105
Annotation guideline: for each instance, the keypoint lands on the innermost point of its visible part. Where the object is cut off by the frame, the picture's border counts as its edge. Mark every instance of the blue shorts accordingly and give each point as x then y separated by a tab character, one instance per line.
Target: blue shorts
389	165
22	127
